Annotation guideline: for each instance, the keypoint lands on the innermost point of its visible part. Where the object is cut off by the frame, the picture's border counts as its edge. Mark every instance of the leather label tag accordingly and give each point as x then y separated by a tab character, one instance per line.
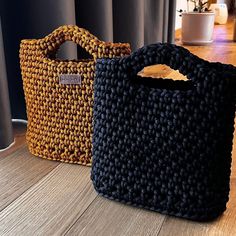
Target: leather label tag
70	79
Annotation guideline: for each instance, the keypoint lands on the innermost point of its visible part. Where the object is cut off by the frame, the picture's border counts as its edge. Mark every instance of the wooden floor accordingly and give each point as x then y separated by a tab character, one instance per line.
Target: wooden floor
40	197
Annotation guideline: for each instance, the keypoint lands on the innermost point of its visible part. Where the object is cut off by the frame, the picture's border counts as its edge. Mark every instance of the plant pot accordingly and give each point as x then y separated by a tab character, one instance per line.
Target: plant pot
197	28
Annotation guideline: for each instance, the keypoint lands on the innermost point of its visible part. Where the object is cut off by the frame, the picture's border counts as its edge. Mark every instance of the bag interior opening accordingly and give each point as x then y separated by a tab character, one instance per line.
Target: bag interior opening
163	77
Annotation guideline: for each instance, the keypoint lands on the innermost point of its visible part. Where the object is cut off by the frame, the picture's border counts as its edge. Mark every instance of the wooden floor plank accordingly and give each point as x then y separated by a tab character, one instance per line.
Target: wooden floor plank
222	54
18	172
105	217
50	206
223	226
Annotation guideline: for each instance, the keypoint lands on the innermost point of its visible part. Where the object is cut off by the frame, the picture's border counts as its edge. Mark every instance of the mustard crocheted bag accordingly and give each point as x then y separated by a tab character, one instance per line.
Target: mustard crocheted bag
59	94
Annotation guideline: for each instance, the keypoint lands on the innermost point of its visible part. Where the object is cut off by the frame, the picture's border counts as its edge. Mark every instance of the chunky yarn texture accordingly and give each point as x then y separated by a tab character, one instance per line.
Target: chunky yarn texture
161	144
60	115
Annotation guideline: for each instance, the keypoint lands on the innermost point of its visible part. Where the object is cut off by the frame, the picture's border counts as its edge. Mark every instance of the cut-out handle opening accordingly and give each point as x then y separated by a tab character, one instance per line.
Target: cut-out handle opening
163	77
162	71
70	51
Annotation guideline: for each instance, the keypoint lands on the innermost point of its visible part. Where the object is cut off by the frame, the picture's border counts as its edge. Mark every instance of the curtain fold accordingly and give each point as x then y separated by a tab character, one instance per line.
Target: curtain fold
95	16
165	21
6	134
129	22
154	21
138	22
171	21
159	21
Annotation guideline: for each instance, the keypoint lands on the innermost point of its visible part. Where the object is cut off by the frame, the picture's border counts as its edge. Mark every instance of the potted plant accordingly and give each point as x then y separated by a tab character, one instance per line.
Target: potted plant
197	25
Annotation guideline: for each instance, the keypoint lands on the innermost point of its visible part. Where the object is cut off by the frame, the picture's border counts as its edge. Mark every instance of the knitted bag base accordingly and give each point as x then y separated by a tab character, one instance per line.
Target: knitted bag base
161	144
60	114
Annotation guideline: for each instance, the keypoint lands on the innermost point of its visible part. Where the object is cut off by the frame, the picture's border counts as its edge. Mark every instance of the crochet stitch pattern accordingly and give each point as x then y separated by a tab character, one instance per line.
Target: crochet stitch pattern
59	115
161	144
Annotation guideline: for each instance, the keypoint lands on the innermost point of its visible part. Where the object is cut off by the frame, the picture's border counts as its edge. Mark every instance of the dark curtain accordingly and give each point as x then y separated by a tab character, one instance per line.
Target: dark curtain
29	19
6	135
138	22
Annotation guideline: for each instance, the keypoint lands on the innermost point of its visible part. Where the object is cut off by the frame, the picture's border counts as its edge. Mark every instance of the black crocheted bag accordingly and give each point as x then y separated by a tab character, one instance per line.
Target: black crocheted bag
161	144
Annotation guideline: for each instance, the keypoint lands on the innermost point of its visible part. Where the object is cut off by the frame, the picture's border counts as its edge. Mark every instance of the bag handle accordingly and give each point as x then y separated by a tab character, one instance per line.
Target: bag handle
176	57
95	47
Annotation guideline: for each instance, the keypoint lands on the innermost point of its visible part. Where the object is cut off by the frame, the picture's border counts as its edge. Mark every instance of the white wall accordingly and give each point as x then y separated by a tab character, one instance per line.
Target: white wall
181	4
